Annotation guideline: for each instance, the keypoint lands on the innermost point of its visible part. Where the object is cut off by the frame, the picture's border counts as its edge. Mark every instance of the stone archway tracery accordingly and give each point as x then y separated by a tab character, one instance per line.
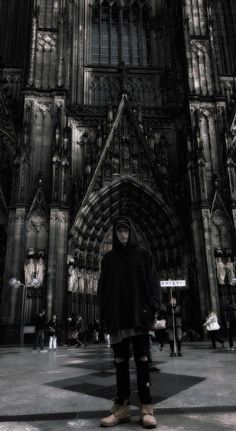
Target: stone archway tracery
148	211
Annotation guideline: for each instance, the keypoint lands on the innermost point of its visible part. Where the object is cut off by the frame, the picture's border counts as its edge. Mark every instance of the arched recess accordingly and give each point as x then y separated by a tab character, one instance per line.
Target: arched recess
148	211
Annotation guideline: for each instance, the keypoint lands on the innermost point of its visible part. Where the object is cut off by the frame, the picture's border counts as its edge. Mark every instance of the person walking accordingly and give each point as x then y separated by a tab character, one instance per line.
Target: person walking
128	295
174	326
40	324
52	332
230	310
81	339
161	333
213	327
96	332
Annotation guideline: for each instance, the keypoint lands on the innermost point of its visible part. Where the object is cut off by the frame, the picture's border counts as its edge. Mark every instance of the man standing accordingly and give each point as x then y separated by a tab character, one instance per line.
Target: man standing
39	331
174	326
129	293
230	309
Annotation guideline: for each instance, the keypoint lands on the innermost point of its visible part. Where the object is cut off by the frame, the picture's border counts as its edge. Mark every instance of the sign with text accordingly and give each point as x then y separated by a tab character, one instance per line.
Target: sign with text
173	283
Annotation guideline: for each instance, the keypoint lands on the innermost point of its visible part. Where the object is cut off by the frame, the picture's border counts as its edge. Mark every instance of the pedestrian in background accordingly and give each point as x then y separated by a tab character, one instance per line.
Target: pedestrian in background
96	331
52	332
81	332
128	294
213	328
71	327
161	332
230	310
174	327
40	324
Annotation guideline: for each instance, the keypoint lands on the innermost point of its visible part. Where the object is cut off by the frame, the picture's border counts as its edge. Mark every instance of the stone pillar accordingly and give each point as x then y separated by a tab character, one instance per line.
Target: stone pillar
202	17
202	72
189	14
57	270
14	262
60	73
33	49
196	23
209	253
196	72
201	262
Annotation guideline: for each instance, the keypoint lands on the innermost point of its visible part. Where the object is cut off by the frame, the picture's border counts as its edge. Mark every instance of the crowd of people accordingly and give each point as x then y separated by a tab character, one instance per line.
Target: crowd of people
78	333
75	333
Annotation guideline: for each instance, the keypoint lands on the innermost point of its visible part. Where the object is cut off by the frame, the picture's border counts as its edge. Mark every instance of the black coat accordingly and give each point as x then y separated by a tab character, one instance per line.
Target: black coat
52	327
177	316
128	288
40	322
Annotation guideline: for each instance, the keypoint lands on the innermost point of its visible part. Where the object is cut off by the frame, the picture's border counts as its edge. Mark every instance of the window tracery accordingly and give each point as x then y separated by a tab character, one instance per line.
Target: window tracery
120	34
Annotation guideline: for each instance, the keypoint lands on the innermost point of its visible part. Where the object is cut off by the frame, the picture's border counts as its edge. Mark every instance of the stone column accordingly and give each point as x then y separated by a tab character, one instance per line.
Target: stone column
234	217
214	141
196	73
196	17
14	266
201	262
188	52
189	15
57	270
214	298
60	73
33	50
202	71
202	17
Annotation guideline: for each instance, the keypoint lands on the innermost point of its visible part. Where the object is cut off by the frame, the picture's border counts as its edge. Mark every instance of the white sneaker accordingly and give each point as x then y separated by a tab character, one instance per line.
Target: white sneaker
232	348
43	351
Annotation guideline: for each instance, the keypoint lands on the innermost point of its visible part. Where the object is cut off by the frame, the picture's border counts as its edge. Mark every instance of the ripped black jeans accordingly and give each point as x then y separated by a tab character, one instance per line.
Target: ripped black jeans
122	355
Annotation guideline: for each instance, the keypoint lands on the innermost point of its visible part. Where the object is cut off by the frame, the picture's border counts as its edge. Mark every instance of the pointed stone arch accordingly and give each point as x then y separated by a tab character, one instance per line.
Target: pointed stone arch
37	222
148	211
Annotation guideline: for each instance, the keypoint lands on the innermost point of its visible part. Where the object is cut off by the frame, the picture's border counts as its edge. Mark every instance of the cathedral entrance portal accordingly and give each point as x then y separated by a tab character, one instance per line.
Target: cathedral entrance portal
157	228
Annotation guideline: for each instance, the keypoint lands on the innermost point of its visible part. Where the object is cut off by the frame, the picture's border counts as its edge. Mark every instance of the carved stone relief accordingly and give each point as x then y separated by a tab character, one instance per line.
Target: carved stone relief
47	41
43	107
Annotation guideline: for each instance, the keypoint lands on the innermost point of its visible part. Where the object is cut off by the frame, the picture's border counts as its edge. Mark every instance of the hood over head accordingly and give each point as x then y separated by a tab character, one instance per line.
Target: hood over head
133	240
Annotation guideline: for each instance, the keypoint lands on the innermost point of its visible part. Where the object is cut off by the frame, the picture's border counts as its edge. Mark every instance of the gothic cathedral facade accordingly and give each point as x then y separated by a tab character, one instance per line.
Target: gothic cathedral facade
114	107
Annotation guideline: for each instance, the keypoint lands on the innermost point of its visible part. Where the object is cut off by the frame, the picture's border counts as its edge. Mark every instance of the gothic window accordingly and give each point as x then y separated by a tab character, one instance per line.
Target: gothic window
48	13
119	34
224	18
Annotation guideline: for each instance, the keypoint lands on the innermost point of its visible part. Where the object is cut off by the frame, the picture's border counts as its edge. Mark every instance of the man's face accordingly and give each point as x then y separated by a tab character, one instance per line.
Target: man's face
123	234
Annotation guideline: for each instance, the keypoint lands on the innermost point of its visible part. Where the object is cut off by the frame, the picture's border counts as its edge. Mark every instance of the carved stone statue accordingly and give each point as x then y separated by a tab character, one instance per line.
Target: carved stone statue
95	283
115	165
40	268
230	270
71	277
221	271
80	281
29	266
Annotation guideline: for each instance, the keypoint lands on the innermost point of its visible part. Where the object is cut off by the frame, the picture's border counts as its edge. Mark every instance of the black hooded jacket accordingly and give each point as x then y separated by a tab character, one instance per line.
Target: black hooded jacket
128	288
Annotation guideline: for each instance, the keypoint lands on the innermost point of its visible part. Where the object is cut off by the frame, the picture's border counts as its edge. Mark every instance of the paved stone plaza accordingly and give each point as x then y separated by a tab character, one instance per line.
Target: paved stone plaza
72	389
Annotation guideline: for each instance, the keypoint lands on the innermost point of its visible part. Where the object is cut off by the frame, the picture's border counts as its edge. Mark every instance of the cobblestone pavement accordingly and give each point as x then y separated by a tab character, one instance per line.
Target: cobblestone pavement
72	389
